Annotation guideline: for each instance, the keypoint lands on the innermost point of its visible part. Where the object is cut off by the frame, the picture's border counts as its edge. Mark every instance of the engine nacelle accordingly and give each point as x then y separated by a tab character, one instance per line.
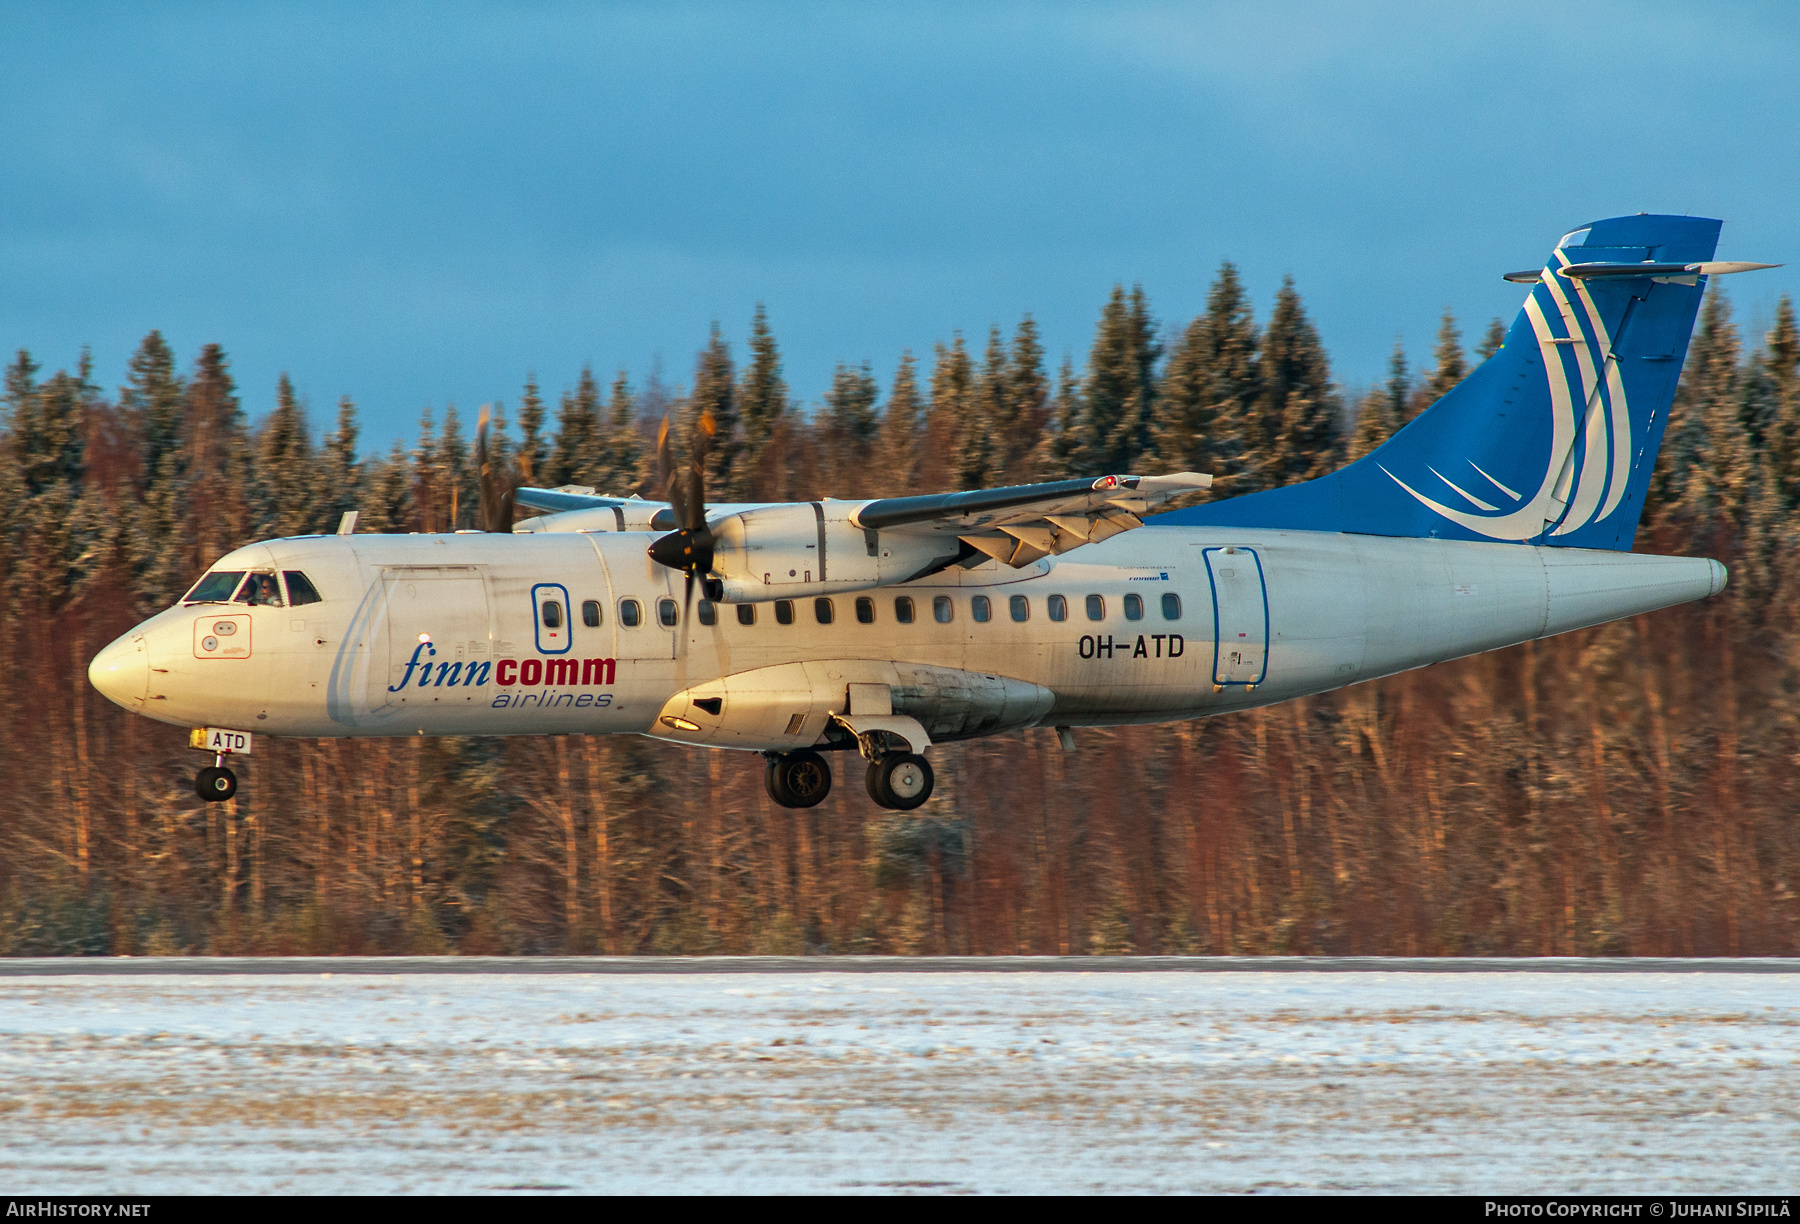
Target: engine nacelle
800	549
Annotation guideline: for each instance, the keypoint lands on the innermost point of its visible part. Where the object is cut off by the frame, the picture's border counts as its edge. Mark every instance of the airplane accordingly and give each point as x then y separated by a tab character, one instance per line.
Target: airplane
1503	513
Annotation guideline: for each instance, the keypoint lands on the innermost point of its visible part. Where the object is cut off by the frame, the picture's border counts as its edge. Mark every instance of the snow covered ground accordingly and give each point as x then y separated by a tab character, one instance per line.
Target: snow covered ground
882	1083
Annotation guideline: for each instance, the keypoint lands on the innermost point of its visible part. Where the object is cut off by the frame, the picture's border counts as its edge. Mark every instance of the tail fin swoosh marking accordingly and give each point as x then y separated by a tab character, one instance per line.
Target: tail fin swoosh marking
1617	407
1528	520
1473	500
1590	482
1492	481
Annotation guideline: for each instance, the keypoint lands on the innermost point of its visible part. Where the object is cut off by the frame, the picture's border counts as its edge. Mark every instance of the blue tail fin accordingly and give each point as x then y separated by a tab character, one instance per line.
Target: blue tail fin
1552	439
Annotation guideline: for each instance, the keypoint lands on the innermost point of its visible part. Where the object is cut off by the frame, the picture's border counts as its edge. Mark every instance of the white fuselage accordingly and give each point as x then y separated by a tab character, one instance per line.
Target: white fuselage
446	635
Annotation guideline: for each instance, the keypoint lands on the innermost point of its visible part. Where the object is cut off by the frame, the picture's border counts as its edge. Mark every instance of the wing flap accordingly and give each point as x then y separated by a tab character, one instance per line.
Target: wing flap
1025	523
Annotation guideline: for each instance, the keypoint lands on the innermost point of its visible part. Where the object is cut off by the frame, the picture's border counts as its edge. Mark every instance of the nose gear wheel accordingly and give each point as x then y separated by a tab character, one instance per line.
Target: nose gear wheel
215	784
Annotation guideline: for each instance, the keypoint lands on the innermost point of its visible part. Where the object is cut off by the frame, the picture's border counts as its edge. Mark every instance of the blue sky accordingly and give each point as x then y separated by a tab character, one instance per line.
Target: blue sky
416	205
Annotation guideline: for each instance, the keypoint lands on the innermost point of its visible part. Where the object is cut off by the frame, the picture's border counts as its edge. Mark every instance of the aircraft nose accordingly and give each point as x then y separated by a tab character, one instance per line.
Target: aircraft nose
122	671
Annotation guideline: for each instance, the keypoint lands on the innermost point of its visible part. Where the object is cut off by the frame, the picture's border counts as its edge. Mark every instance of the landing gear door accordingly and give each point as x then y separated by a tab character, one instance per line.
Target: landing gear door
438	636
1240	617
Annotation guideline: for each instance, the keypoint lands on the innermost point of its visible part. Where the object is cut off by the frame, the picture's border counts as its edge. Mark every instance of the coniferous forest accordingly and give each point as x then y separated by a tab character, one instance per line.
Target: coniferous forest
1628	789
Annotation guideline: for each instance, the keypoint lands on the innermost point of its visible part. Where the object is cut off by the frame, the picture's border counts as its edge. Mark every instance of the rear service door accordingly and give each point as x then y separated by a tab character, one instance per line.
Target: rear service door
437	637
1240	615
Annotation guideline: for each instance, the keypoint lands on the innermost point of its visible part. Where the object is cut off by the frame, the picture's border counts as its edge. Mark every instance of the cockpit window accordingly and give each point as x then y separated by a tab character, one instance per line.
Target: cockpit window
215	587
300	589
260	589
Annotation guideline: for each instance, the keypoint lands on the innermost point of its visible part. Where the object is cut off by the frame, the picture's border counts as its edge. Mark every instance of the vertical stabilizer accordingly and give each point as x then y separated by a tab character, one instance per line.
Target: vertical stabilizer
1553	438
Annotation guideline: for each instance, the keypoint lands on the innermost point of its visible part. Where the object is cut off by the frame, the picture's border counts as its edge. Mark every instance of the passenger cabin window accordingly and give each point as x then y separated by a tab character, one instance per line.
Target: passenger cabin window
1021	608
1096	608
981	609
1171	606
300	589
590	613
631	615
552	612
903	610
668	612
260	589
1059	608
1134	607
822	611
865	610
709	612
214	588
746	614
942	610
784	611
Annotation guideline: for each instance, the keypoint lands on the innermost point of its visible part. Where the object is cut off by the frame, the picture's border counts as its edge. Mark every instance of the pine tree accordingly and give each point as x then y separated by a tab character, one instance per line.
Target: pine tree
1211	389
851	423
1055	456
715	394
617	472
1381	412
53	530
1298	417
534	451
1449	367
1120	393
340	475
980	438
462	497
1027	404
215	468
577	433
761	401
388	501
1492	341
946	413
152	398
897	460
429	498
1703	476
286	482
1779	367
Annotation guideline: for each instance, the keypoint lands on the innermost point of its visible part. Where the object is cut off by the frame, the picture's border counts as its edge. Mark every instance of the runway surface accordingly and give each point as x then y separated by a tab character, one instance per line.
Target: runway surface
1675	1079
126	966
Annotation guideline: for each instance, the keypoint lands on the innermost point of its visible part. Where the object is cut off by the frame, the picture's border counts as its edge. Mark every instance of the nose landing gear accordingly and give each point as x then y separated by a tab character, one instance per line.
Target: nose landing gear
900	781
797	779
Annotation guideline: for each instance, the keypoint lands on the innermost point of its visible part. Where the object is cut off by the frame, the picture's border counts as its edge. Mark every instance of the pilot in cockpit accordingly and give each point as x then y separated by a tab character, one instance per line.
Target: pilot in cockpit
261	589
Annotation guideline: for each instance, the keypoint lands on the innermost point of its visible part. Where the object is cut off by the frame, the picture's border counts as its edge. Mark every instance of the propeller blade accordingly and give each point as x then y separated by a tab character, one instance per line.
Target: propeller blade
689	548
667	476
691	513
496	502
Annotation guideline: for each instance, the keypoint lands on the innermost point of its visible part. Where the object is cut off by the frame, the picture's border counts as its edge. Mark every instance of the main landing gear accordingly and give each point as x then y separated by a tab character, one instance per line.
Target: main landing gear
900	781
797	779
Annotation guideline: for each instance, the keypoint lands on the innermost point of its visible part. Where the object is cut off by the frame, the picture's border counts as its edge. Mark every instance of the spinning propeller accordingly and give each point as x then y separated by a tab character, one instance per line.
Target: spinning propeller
689	548
496	502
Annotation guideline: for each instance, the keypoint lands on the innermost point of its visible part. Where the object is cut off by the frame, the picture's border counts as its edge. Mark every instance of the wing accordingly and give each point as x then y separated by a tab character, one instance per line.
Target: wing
579	508
1022	523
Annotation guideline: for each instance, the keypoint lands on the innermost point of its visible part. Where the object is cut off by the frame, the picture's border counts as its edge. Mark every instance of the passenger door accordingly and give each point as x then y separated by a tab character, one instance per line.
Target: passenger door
1240	617
438	637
